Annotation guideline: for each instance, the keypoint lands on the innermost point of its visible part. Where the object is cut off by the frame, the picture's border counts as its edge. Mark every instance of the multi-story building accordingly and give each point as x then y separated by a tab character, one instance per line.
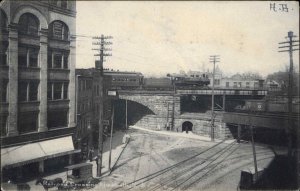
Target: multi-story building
88	106
239	82
37	75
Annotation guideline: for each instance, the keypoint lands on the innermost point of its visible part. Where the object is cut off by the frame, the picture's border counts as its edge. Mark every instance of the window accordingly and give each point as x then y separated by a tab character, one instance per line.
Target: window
227	84
57	90
3	125
3	54
58	59
59	30
3	90
64	4
28	24
240	84
28	57
57	118
235	84
217	82
247	84
65	90
54	2
27	122
89	84
197	76
28	91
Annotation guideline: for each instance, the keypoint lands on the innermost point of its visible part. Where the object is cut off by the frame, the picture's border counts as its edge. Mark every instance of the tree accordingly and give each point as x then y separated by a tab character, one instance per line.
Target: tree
283	79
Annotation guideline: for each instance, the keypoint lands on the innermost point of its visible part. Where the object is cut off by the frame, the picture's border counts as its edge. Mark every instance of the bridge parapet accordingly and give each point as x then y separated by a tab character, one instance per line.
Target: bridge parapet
267	120
224	92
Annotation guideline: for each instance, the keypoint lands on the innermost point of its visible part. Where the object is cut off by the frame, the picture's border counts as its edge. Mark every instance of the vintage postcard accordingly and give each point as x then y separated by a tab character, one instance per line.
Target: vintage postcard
149	95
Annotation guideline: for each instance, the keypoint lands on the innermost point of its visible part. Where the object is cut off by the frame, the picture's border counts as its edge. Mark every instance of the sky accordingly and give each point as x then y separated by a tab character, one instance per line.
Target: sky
157	38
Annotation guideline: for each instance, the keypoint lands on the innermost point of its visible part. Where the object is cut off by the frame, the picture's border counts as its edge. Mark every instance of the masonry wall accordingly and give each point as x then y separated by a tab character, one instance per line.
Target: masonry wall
162	107
200	126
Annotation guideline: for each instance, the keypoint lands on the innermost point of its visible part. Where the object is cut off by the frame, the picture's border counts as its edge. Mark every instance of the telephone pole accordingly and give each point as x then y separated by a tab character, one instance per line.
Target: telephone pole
213	59
290	46
101	42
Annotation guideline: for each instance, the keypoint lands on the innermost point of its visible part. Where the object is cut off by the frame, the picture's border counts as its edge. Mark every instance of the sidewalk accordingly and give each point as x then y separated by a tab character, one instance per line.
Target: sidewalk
117	148
189	135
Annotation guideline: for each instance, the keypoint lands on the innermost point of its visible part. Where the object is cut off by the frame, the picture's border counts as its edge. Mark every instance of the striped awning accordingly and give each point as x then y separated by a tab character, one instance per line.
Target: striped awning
34	152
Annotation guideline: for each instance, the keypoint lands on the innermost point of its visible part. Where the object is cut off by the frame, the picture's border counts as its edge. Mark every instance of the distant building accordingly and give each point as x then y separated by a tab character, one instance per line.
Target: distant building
236	81
37	79
272	85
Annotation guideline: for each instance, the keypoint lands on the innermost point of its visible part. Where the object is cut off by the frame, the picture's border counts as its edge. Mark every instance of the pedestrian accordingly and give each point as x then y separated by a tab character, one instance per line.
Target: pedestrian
91	154
96	159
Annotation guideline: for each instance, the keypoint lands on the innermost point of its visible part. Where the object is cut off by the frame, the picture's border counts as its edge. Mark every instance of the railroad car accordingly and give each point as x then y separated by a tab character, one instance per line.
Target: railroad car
136	80
158	84
124	80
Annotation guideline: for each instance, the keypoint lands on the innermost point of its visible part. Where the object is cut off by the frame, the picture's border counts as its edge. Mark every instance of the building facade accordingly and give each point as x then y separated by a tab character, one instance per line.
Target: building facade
88	90
37	76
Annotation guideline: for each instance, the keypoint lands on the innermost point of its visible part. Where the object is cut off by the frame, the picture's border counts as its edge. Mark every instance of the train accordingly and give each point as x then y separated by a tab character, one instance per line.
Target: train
136	80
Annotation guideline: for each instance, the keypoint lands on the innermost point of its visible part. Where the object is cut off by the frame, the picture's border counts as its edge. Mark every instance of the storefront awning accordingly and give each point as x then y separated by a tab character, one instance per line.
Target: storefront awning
33	152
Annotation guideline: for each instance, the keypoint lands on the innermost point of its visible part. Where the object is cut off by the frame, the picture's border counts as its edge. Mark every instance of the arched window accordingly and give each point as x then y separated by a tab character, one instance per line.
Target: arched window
28	24
60	3
3	20
59	30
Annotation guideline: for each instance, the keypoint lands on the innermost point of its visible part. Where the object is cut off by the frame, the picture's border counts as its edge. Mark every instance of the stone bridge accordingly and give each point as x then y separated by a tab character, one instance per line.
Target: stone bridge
161	106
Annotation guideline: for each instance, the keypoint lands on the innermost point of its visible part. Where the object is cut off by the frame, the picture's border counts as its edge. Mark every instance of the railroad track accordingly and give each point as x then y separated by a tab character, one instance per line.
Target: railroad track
147	178
190	171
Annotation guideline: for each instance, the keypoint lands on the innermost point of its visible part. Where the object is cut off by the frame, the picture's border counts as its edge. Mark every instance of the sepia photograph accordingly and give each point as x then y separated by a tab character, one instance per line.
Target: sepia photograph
149	95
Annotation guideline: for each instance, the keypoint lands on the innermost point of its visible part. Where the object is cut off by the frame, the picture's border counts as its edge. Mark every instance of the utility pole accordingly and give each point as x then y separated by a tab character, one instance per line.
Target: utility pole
213	59
126	115
111	136
291	47
173	107
101	42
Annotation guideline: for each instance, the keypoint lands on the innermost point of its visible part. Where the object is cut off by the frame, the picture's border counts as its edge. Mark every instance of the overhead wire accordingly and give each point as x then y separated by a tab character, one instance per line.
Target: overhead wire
155	175
182	173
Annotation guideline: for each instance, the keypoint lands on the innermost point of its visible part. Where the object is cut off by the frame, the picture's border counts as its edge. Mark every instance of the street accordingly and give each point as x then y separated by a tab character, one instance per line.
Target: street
152	161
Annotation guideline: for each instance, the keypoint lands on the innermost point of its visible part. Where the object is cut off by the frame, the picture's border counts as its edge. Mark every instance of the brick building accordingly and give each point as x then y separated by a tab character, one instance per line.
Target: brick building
37	76
88	90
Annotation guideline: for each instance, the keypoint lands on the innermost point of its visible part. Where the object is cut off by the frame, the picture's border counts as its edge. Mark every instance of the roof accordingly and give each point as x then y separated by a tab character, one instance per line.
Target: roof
32	152
78	166
117	73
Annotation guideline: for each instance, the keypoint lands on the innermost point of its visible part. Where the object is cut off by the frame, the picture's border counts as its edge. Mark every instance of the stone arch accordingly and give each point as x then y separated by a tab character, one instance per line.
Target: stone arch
187	126
29	9
150	110
143	102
